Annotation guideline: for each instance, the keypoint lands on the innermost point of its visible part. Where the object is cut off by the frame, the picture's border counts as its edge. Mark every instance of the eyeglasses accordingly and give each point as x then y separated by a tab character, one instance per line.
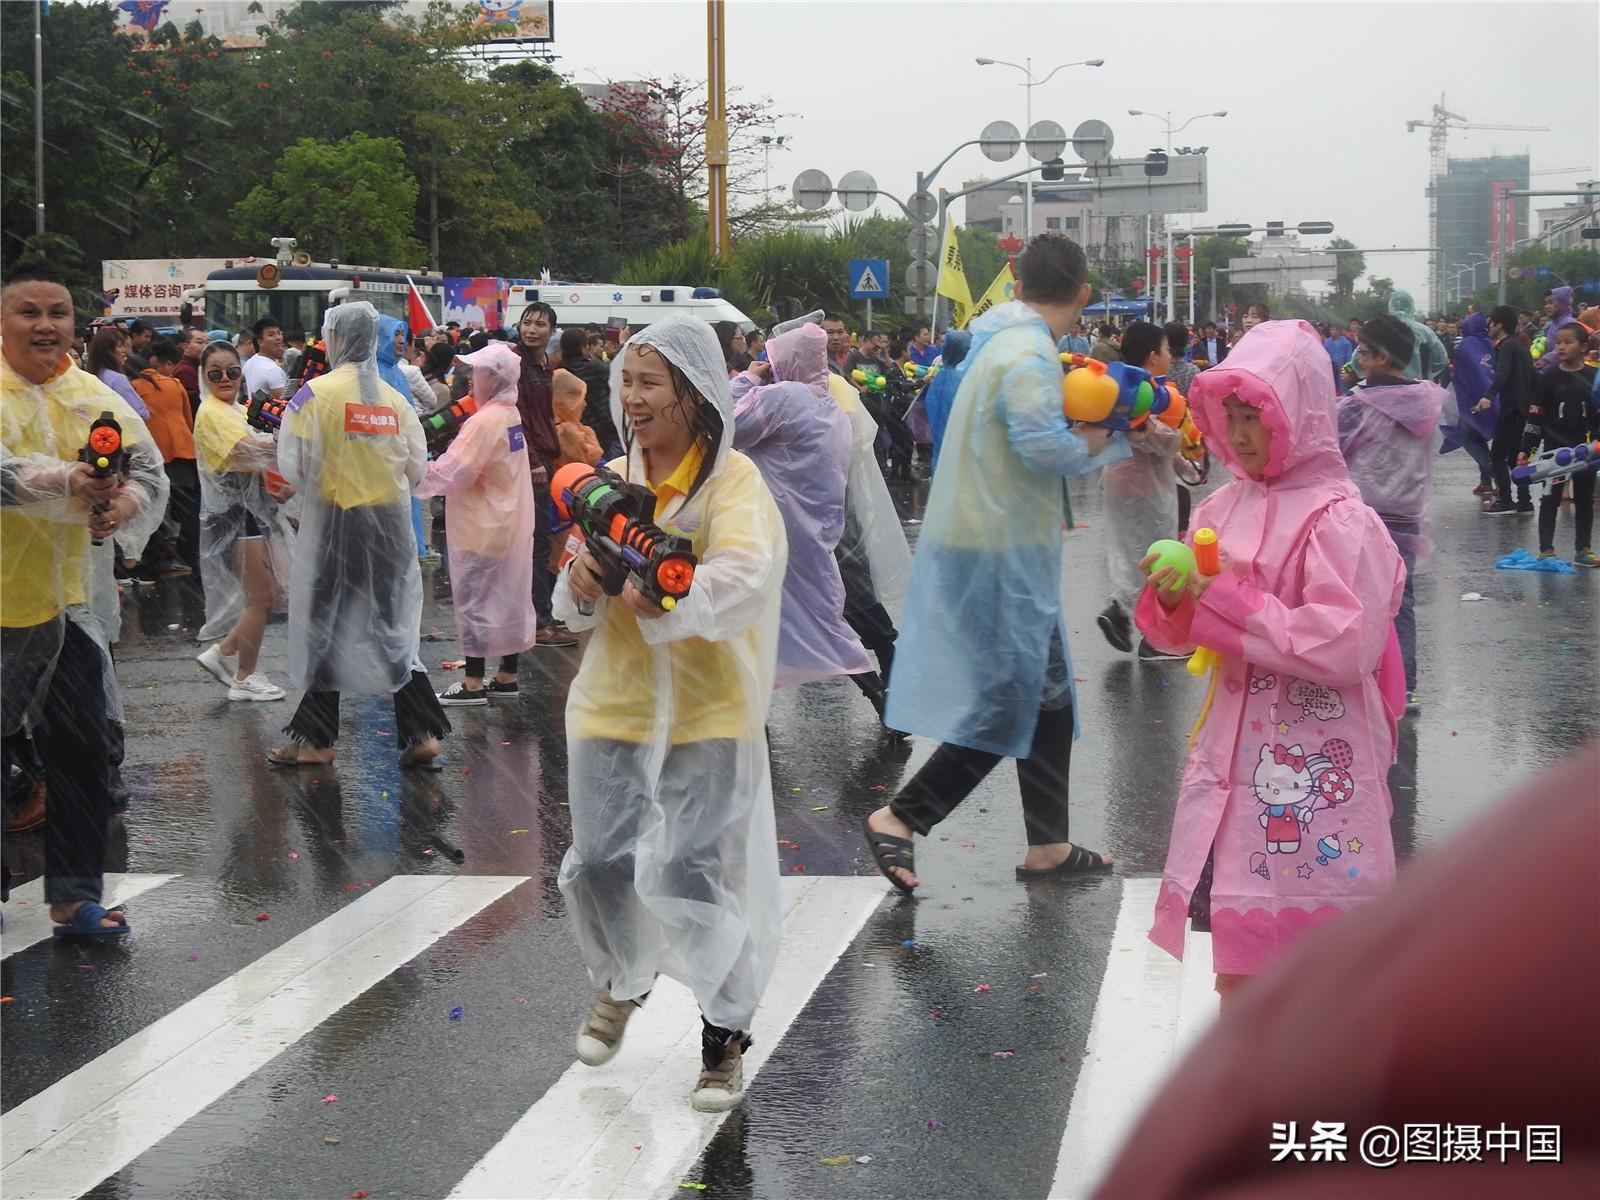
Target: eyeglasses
217	375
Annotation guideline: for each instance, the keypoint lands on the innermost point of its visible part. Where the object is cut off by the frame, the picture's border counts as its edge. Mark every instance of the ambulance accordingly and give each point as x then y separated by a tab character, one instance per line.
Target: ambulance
633	304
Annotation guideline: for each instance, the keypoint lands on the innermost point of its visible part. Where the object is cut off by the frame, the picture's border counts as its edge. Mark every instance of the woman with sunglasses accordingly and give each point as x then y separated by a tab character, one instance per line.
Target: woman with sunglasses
244	536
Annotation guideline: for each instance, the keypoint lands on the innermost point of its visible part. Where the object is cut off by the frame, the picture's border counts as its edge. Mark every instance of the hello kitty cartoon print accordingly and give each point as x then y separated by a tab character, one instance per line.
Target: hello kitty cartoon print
1286	787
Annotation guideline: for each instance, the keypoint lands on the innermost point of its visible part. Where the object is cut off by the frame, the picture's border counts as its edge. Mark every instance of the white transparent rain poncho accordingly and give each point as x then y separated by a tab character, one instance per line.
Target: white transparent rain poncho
489	514
873	542
673	867
352	447
233	461
1141	506
50	577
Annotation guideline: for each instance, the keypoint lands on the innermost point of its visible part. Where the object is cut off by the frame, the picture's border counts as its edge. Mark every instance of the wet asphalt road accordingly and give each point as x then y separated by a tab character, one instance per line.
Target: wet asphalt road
893	1055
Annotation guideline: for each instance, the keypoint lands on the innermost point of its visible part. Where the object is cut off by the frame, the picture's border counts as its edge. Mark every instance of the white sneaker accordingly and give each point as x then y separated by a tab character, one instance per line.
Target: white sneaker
223	666
255	687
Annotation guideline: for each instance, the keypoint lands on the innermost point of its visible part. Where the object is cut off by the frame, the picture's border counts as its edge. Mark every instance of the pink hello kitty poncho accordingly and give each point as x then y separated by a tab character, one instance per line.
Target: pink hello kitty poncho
1287	778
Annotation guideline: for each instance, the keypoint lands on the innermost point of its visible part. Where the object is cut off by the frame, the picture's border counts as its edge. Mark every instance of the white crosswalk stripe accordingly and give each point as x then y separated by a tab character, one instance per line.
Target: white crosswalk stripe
1150	1010
28	916
95	1121
626	1129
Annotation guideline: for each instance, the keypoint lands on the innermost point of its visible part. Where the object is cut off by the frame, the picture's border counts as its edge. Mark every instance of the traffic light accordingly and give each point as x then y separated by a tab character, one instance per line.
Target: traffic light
1054	171
1155	163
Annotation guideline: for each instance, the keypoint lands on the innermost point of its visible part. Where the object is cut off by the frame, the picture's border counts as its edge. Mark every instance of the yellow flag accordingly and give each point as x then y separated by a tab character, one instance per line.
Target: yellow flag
952	282
999	293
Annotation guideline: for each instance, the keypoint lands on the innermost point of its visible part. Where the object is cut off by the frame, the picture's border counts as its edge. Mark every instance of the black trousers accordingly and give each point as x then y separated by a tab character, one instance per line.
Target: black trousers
475	666
70	737
1582	510
183	505
417	715
862	610
1503	454
949	776
543	582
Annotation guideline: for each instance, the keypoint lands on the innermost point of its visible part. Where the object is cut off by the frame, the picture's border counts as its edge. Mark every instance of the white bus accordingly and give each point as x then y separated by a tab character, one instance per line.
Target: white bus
636	305
234	298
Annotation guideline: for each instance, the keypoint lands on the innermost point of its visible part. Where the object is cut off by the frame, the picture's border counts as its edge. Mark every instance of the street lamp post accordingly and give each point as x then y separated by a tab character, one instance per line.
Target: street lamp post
767	143
1166	121
1026	67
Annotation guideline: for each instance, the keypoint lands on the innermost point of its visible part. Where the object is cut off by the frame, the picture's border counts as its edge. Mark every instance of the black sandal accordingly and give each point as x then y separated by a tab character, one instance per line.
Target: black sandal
889	851
1079	862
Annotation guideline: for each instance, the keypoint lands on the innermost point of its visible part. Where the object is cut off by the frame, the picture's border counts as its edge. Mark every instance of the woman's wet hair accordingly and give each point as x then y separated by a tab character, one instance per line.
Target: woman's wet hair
699	414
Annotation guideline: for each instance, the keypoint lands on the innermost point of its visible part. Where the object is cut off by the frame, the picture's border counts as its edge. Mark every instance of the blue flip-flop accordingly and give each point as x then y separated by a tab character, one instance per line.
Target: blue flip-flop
85	923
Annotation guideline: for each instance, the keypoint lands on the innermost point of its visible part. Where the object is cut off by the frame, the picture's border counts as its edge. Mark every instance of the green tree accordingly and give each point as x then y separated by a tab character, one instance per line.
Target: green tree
352	201
1347	268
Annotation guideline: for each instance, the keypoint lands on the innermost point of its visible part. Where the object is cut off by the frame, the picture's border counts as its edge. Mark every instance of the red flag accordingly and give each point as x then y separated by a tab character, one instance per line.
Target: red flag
417	314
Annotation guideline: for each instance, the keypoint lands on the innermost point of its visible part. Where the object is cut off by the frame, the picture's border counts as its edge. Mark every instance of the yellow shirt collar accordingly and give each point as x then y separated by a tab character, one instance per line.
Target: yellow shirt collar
683	477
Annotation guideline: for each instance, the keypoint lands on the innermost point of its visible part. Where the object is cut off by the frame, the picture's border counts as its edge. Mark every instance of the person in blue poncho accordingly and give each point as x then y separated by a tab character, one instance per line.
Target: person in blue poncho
982	663
940	393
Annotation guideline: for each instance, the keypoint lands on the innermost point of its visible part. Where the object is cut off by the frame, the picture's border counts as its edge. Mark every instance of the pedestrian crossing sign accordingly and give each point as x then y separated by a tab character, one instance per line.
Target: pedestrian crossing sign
869	278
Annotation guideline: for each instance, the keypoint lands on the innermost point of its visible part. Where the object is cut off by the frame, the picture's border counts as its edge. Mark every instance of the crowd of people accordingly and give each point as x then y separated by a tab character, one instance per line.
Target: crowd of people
771	456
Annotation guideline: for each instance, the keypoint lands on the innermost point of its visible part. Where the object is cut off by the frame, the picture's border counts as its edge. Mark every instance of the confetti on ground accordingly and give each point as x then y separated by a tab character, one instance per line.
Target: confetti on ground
7	999
294	855
192	958
938	1012
982	987
359	1195
514	832
428	852
863	1158
330	1098
1040	975
692	1186
877	787
457	1013
794	789
452	664
1004	1054
930	1123
819	808
909	942
838	1160
263	916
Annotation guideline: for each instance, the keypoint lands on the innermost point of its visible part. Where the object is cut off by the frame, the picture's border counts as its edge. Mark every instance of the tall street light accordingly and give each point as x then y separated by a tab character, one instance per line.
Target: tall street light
1029	83
1166	120
767	143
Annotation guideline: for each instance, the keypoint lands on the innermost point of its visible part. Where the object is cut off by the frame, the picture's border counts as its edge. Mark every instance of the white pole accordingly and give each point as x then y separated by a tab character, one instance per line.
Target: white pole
1172	295
1027	182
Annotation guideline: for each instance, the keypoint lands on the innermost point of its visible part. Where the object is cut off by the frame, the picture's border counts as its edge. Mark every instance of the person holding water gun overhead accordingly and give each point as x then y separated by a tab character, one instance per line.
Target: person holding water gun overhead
1282	818
488	520
674	867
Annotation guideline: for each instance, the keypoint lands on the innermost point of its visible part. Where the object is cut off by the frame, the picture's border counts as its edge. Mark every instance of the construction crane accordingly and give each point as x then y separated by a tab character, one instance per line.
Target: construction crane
1438	163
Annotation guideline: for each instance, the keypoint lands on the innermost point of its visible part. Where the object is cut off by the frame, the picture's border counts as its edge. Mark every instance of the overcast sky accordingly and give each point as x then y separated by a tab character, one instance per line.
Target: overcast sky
1317	94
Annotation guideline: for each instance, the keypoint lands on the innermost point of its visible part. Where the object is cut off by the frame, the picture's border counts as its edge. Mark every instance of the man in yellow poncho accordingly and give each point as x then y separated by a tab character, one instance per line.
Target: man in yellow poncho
50	506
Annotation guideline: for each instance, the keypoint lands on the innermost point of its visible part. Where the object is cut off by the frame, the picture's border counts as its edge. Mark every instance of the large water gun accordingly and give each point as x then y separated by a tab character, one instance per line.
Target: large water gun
265	412
313	361
1557	464
105	454
872	381
1205	558
614	517
440	428
1116	395
918	373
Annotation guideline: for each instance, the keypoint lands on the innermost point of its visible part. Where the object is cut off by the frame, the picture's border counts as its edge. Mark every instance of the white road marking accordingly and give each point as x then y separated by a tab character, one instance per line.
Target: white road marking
1150	1009
626	1129
95	1121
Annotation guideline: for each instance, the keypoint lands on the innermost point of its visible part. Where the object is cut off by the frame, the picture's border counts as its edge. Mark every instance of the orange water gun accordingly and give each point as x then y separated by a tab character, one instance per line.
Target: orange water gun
105	454
615	518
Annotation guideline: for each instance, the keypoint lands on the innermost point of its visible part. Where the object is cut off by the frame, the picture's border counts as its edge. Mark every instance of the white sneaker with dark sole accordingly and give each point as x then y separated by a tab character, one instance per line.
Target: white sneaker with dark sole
223	666
600	1035
255	687
721	1089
